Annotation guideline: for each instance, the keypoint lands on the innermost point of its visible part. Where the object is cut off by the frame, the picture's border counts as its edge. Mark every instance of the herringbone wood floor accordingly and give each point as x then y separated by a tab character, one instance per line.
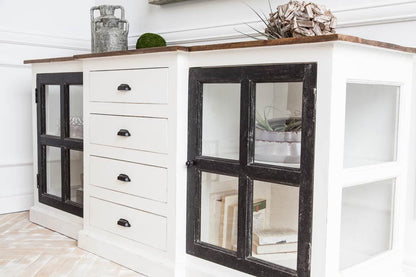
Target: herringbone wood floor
27	249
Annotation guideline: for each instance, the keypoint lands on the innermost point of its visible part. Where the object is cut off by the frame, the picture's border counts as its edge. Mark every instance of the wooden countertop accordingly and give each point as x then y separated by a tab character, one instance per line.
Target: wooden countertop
235	45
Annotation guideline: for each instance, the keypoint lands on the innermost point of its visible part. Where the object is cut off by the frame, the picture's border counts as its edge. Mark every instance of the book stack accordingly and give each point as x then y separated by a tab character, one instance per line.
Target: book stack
274	241
223	226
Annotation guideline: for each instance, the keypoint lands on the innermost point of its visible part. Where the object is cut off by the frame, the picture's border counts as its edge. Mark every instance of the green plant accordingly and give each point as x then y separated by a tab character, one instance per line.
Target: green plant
150	40
289	124
273	28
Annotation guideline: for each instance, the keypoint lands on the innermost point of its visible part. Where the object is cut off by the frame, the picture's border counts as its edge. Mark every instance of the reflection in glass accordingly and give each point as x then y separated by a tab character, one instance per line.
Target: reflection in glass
53	171
366	221
77	175
219	201
371	116
278	123
275	223
53	110
221	120
75	112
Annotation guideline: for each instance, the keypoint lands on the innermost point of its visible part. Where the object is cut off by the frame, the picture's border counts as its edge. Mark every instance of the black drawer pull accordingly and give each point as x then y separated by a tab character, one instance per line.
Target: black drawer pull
124	87
190	163
123	222
123	133
124	178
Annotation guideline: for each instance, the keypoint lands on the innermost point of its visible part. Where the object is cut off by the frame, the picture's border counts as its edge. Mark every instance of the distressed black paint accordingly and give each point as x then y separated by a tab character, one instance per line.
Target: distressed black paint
245	167
64	142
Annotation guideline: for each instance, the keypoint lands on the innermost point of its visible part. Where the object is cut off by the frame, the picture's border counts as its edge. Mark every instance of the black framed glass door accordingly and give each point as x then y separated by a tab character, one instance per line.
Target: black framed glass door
251	133
60	140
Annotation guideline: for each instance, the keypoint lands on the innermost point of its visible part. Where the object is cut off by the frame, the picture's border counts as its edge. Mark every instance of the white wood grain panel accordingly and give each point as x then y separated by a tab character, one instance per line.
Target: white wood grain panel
147	134
147	86
146	228
128	109
136	156
146	181
139	203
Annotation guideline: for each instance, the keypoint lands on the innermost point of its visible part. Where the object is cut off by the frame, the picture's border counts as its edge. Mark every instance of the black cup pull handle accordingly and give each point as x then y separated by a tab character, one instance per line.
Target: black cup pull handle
123	222
124	178
123	133
124	87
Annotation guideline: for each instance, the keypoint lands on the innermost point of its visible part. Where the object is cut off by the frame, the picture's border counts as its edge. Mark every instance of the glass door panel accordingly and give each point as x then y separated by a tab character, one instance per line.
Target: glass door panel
221	120
247	122
53	171
275	223
60	163
76	168
366	221
219	213
278	123
75	112
371	116
53	110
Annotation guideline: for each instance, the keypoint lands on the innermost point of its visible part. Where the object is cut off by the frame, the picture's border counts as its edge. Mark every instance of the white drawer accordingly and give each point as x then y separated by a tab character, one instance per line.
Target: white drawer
147	134
144	227
145	181
147	86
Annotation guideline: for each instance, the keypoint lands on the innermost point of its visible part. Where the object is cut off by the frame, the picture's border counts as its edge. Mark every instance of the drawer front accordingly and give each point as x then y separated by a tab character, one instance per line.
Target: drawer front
136	179
144	227
146	86
147	134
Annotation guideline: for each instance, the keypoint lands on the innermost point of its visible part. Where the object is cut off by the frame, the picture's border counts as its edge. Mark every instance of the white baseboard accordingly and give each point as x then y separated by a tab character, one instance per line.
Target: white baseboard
131	257
57	220
16	203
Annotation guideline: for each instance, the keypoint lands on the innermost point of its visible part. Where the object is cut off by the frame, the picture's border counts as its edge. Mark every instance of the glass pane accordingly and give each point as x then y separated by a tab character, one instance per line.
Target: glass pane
219	201
275	223
75	112
366	221
278	123
221	120
77	175
53	171
370	124
53	110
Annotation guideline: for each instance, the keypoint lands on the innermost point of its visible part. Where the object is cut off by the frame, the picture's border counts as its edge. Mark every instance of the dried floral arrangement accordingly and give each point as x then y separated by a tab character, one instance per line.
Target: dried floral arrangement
297	19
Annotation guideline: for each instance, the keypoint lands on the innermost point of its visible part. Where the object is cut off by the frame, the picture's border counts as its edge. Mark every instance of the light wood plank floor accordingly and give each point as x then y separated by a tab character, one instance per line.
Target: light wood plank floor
27	249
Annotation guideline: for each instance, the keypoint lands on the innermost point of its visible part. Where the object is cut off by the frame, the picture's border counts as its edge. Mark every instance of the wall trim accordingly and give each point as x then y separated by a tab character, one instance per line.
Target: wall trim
43	40
16	203
354	16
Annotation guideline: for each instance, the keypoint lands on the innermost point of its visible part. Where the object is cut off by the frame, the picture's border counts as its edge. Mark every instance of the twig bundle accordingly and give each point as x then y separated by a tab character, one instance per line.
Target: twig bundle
298	19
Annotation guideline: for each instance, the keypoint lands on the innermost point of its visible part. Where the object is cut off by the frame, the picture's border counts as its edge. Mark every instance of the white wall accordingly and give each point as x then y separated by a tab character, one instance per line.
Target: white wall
28	30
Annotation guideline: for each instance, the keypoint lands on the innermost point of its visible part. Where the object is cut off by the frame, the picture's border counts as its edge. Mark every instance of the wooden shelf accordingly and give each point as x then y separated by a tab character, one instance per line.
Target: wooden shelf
236	45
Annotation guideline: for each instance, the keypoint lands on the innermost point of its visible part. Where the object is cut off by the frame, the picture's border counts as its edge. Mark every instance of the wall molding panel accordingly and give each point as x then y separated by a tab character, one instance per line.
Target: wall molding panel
44	40
354	16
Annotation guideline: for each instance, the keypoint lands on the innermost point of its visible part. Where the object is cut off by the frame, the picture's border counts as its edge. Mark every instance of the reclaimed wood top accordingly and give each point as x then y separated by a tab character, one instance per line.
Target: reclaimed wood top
235	45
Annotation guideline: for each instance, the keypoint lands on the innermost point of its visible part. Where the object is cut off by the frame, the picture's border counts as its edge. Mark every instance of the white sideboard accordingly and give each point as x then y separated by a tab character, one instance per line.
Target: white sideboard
136	147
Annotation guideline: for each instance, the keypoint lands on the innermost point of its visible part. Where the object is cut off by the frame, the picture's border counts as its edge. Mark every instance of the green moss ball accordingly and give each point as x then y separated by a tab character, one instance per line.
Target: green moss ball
150	40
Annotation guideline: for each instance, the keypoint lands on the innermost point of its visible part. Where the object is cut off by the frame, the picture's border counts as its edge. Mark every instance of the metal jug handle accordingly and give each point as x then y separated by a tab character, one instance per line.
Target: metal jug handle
122	11
93	22
92	10
127	26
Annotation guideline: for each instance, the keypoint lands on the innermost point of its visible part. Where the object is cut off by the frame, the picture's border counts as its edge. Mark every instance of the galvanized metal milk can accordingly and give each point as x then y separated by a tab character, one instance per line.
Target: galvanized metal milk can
108	33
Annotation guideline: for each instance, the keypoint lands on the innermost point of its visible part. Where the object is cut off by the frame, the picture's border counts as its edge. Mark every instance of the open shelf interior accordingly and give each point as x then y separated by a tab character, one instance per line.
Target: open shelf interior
371	117
366	221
